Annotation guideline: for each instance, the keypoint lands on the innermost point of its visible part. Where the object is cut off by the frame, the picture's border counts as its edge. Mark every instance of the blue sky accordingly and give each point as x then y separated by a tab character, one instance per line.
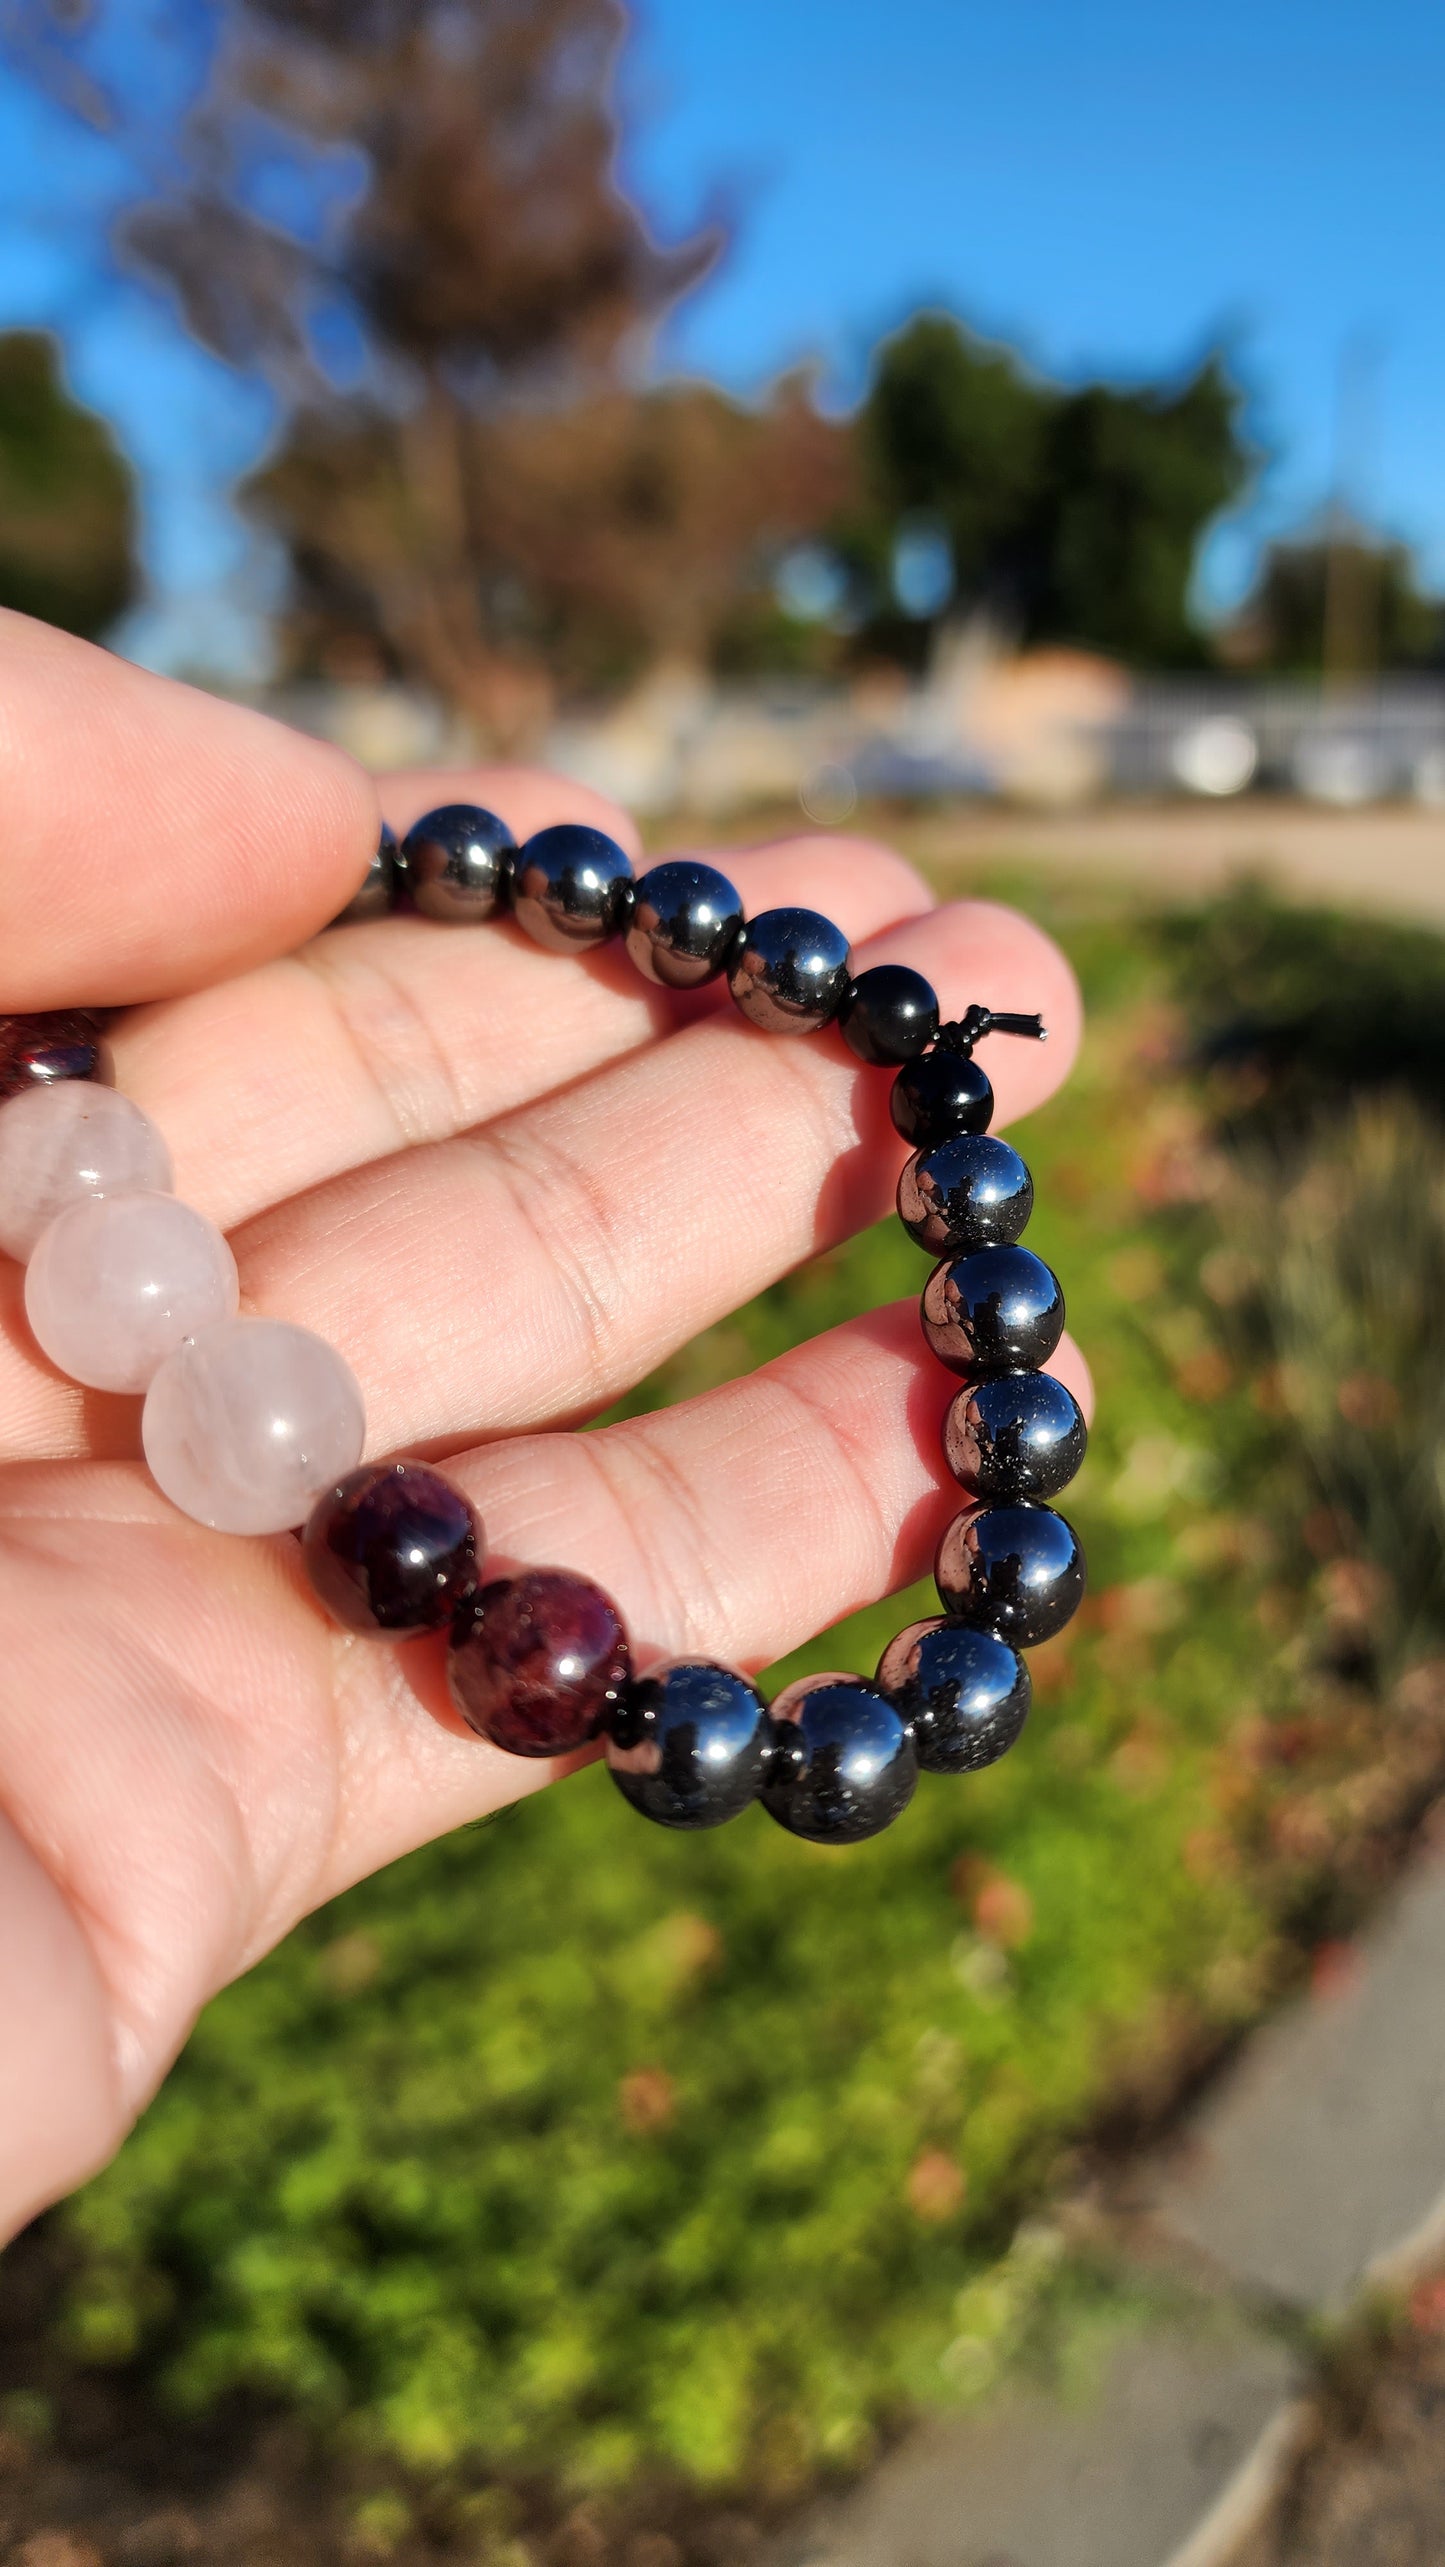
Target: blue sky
1109	184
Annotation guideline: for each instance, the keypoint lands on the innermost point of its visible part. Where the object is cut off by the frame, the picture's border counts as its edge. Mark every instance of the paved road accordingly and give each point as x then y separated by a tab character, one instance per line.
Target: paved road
1389	860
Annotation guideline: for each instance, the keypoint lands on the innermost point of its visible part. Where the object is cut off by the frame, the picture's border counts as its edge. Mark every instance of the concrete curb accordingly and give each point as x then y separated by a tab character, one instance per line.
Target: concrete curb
1310	2179
1250	2492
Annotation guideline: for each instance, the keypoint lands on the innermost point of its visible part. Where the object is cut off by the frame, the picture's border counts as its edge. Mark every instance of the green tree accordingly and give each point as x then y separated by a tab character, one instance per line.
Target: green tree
956	431
1132	480
1073	516
67	499
1340	599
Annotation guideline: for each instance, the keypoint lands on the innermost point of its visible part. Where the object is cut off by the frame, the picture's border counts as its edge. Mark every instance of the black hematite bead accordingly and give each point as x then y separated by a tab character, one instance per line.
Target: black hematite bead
1000	1310
687	921
538	1661
1015	1435
689	1744
1017	1570
572	887
64	1043
791	971
942	1094
966	1693
889	1014
971	1192
375	894
456	863
843	1765
392	1548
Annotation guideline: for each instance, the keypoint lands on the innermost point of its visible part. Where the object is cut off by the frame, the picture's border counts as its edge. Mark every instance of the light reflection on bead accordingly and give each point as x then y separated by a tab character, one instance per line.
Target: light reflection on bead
572	887
245	1427
689	1744
790	973
965	1692
843	1765
63	1043
537	1662
1014	1435
1017	1570
972	1191
62	1143
392	1549
456	864
117	1283
1000	1310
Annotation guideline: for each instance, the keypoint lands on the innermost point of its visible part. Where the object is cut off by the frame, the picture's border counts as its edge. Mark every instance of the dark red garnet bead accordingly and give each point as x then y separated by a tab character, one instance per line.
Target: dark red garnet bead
65	1043
392	1548
537	1662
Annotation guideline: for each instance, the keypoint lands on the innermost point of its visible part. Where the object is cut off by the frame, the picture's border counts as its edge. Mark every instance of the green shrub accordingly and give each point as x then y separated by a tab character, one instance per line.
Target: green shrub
1342	1246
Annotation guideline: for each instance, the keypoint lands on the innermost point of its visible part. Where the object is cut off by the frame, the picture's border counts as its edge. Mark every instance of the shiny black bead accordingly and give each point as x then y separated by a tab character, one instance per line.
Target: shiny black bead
687	921
689	1744
572	888
791	971
965	1692
393	1548
843	1765
889	1014
1014	1435
971	1192
375	894
457	862
1017	1570
1000	1310
939	1095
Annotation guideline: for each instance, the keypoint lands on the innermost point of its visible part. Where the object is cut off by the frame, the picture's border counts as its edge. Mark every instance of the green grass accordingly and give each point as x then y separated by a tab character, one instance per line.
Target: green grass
568	2146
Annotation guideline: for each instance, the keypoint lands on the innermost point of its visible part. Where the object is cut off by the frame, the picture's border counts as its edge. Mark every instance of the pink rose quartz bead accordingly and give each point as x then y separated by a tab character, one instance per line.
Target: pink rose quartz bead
118	1282
245	1428
61	1143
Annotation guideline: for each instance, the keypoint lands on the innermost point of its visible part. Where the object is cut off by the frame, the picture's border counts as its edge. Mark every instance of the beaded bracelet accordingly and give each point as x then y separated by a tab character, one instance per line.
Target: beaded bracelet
255	1426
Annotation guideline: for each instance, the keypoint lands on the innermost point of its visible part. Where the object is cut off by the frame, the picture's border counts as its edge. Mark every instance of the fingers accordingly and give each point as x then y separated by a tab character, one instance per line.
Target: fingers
381	1036
527	1273
530	1272
198	1745
735	1526
156	838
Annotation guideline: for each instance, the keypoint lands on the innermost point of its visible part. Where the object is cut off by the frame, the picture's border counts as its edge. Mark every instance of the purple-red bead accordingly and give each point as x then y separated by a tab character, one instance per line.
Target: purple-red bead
537	1662
393	1548
65	1043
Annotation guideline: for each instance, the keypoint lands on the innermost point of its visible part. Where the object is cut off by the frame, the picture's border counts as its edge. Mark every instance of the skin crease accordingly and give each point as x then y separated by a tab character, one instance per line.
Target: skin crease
191	1758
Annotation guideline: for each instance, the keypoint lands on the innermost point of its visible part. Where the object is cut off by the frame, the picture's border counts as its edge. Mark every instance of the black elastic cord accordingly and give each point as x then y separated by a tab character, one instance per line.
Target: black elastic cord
975	1022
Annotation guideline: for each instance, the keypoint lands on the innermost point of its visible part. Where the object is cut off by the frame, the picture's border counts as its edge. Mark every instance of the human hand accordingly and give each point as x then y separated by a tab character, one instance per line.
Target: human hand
504	1184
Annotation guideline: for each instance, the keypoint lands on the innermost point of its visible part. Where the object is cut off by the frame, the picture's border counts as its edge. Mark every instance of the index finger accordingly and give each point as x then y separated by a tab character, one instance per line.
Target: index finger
156	838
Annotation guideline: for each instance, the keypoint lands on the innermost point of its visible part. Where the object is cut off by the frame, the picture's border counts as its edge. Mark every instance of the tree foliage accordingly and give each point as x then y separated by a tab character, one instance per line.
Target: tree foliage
408	216
1070	515
67	502
607	533
1337	599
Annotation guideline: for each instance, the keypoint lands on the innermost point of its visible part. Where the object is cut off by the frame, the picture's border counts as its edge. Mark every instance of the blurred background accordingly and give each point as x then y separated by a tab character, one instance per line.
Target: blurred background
1016	433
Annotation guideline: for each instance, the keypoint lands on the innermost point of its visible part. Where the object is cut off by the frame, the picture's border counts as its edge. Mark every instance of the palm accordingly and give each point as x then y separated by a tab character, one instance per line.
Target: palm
504	1185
